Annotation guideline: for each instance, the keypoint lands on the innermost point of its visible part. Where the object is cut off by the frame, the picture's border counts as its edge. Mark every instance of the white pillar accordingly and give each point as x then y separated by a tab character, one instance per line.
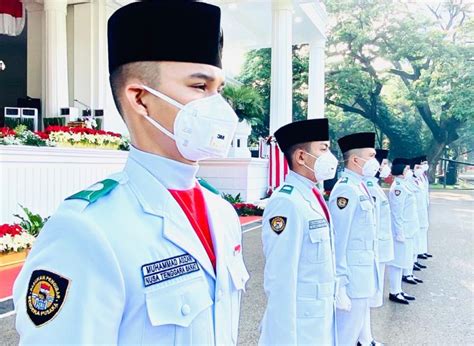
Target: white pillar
55	84
90	50
34	57
316	79
281	93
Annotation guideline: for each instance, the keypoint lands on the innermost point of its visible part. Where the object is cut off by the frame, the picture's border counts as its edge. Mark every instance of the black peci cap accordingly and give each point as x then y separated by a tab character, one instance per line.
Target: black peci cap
398	165
357	141
165	30
381	154
302	131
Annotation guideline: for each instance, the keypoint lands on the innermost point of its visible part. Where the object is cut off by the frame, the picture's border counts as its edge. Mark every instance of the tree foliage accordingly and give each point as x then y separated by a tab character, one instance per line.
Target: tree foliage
407	69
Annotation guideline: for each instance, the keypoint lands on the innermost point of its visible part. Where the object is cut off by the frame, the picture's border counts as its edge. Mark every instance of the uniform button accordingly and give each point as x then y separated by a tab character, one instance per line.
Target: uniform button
185	309
219	295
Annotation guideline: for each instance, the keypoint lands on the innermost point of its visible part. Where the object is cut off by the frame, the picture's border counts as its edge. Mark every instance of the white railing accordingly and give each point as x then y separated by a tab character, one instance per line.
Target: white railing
40	178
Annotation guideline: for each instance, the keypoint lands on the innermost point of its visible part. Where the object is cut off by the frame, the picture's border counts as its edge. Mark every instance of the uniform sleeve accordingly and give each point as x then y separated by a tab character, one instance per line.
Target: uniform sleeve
343	206
397	203
83	291
282	253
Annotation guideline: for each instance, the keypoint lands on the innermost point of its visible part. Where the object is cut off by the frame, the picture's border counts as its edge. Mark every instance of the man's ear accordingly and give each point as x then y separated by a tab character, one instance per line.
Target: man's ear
134	98
298	157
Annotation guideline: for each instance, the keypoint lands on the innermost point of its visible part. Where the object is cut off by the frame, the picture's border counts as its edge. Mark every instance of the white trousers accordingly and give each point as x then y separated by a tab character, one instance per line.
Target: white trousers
409	271
350	323
395	278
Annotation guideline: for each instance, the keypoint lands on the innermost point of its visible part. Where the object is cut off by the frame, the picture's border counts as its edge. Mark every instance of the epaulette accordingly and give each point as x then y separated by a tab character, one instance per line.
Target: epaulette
288	189
96	191
205	184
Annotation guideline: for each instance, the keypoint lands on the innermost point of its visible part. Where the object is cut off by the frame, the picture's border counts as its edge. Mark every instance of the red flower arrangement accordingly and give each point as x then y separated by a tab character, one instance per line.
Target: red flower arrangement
12	230
80	130
246	209
6	131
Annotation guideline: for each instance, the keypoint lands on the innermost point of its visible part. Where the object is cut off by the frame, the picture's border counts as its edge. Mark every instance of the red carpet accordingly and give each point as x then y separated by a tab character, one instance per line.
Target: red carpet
7	278
245	220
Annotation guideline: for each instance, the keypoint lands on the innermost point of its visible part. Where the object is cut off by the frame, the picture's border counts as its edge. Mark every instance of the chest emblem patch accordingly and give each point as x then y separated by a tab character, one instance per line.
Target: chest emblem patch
342	202
278	224
45	296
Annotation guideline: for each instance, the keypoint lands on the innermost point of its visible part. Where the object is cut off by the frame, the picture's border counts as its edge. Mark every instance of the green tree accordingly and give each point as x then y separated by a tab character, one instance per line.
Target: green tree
247	103
256	73
407	69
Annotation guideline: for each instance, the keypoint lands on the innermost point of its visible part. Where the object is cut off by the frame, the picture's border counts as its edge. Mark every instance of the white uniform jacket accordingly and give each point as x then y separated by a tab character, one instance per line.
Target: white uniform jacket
382	220
404	222
353	212
129	269
299	276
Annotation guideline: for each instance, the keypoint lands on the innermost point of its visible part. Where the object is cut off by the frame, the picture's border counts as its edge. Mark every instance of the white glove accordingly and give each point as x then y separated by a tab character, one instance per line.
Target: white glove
343	302
400	237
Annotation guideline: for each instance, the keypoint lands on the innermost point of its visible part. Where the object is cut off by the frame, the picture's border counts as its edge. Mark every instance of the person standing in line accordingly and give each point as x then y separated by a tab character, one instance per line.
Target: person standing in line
384	233
298	243
353	211
404	219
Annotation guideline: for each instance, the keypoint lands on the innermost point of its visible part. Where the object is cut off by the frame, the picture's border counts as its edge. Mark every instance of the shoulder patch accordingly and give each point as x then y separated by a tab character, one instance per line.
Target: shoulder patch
96	191
398	192
344	180
205	184
278	224
342	202
287	189
46	294
369	183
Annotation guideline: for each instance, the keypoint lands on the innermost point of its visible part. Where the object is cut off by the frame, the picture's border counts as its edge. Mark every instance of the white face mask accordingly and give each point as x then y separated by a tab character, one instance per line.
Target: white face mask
370	168
324	166
385	172
203	128
419	172
408	174
425	167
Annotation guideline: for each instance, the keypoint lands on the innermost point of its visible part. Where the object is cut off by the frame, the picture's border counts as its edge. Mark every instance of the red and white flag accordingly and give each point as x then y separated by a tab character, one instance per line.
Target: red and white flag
12	17
278	167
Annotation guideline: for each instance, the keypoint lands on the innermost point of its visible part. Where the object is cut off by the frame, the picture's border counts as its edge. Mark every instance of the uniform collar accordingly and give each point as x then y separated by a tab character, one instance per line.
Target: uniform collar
357	178
372	179
297	179
173	175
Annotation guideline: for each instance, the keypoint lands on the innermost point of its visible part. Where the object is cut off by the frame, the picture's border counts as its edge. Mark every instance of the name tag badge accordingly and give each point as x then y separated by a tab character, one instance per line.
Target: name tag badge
169	268
319	223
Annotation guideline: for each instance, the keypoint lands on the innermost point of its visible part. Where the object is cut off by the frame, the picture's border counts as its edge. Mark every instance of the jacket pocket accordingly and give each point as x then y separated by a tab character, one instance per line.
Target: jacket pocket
178	304
318	248
238	272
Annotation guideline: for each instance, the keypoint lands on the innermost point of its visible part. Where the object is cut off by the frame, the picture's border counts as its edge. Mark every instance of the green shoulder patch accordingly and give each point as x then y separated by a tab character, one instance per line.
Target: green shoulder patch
96	191
344	180
287	189
205	184
369	183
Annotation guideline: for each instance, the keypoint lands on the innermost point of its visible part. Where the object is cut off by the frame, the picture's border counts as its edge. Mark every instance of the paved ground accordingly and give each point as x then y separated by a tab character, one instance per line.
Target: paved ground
444	311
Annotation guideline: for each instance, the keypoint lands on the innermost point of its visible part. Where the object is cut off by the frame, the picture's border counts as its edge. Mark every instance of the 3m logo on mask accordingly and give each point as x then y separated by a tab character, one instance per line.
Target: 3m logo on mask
218	139
221	137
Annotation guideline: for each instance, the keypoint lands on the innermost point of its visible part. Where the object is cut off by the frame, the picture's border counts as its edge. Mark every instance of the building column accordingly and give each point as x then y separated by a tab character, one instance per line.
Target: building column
90	51
281	94
55	73
316	79
34	55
